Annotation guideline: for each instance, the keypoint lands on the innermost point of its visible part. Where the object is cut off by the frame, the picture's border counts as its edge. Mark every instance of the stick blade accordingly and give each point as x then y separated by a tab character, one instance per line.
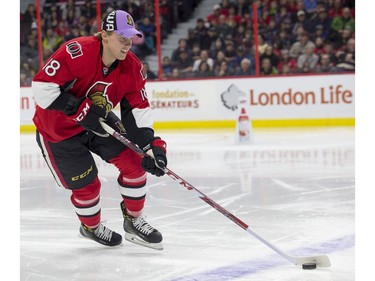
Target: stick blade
320	261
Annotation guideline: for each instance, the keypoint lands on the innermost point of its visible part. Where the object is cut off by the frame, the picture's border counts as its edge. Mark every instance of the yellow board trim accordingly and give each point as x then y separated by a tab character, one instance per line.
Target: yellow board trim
256	123
27	129
304	122
232	124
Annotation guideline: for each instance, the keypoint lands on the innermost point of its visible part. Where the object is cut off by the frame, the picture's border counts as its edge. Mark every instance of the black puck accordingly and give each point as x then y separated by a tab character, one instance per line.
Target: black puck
309	266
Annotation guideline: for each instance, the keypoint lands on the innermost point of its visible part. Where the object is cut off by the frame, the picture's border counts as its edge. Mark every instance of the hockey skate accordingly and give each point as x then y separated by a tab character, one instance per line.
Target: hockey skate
140	232
101	234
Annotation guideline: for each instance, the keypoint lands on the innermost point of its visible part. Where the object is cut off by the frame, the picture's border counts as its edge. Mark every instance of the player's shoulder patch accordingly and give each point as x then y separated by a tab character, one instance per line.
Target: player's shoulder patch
85	45
74	49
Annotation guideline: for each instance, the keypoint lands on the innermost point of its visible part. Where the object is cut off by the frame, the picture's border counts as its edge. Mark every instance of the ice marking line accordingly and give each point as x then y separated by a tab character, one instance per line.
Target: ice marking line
252	267
33	187
287	186
328	178
221	188
285	237
329	190
223	202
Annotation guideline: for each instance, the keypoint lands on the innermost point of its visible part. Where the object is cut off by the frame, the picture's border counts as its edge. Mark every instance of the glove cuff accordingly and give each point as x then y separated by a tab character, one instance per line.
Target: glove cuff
158	142
82	111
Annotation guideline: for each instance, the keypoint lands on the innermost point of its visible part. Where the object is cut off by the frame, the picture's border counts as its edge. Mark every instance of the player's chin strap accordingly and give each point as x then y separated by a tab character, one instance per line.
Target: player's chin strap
320	261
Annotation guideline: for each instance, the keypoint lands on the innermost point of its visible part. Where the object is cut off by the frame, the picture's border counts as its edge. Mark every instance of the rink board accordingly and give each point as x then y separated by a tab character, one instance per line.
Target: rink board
316	100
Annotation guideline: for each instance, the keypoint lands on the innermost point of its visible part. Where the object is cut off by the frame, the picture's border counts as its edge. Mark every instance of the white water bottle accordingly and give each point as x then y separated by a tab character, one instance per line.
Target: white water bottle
244	130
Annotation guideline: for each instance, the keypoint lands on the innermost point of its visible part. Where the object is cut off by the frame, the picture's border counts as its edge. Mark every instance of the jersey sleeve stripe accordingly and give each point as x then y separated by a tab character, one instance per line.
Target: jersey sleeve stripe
45	93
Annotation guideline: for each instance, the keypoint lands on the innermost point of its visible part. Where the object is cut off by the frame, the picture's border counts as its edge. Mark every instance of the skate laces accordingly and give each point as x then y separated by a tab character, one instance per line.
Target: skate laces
141	225
103	232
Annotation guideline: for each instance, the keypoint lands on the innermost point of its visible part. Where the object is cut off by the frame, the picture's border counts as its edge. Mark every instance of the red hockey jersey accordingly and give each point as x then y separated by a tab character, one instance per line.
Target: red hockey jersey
77	67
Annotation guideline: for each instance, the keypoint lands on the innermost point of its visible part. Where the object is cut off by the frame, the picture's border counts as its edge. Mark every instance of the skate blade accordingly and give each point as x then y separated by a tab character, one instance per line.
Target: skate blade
135	239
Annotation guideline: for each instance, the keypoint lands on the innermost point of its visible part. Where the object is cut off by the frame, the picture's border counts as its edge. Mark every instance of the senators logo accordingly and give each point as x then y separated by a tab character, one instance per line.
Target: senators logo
130	20
98	95
74	49
230	97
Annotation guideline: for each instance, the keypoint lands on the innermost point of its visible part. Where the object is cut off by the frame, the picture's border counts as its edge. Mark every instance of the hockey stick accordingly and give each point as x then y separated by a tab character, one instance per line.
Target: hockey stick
320	261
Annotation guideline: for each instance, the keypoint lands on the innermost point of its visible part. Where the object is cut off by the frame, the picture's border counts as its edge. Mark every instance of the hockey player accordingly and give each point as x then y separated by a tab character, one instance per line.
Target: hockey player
80	83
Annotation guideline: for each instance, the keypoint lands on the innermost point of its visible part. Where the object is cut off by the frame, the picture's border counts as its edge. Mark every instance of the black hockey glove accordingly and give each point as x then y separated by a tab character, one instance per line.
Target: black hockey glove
86	114
156	164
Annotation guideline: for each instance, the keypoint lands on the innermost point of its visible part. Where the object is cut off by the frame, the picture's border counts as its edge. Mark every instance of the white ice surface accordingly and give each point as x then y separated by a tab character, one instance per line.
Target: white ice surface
294	187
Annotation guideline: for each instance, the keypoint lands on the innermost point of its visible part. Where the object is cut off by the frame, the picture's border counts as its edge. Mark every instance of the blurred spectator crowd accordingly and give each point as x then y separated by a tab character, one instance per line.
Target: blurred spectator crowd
294	36
62	20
